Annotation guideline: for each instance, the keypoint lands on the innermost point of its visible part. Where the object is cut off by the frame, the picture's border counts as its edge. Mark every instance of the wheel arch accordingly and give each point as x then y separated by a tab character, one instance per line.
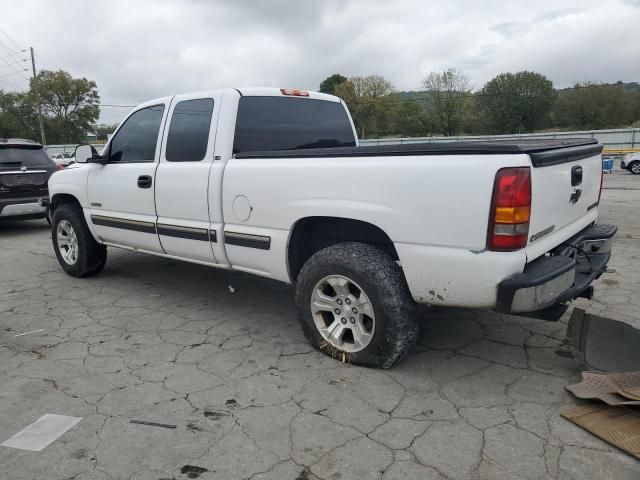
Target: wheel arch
311	234
62	198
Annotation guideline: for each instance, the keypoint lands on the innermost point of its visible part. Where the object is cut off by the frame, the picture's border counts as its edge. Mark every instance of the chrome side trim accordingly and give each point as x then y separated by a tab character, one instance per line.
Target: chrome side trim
19	172
126	224
260	242
189	233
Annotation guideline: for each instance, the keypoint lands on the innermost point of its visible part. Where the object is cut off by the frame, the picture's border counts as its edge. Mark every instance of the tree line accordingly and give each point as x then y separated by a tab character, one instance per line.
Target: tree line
509	103
447	104
70	108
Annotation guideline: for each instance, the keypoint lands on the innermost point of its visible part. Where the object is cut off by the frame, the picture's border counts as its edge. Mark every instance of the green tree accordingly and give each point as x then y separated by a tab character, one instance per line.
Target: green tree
329	84
70	105
448	98
415	120
363	97
590	105
516	102
18	116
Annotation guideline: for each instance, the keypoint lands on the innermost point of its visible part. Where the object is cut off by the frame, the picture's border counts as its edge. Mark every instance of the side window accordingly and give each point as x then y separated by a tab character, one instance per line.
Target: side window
137	138
189	130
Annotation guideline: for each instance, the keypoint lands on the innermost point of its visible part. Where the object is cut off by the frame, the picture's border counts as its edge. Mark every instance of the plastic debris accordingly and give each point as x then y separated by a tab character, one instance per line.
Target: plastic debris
152	424
29	333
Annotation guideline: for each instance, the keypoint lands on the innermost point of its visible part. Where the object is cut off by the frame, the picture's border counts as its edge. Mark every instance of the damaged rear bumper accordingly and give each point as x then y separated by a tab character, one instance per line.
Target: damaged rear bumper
566	273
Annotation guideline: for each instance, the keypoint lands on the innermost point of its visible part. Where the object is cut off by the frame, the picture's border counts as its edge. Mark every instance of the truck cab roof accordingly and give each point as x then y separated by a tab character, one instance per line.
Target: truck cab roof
252	92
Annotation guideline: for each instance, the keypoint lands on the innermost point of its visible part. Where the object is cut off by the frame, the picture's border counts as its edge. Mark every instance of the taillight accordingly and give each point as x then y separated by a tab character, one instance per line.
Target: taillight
510	209
59	167
294	92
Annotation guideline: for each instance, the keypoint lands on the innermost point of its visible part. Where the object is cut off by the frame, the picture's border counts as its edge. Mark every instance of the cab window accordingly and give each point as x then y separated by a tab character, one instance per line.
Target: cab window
189	130
136	140
287	123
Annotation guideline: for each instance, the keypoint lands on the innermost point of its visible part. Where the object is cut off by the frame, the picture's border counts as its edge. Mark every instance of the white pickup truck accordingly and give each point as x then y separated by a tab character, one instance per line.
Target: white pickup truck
273	182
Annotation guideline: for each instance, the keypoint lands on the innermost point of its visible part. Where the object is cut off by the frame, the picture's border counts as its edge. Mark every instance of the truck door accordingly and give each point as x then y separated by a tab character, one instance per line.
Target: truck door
121	192
183	177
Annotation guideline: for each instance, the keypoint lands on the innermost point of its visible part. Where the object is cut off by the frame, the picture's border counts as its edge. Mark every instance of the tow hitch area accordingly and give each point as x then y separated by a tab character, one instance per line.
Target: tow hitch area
549	283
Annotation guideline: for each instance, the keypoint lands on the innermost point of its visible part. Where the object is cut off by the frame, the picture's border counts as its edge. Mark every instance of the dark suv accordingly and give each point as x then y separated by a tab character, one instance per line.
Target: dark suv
25	169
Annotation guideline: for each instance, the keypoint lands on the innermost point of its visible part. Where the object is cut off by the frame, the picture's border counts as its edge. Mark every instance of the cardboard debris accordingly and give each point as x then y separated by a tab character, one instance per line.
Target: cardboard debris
620	426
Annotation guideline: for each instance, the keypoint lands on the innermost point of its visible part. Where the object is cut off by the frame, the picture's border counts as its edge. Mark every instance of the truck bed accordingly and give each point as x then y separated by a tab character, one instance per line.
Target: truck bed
542	152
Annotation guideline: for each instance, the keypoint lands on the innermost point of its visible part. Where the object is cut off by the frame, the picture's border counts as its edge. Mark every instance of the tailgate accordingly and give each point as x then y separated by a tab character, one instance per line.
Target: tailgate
565	186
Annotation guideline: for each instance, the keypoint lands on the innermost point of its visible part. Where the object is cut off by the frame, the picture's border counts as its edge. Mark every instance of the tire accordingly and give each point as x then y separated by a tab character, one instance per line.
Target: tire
383	331
634	167
90	256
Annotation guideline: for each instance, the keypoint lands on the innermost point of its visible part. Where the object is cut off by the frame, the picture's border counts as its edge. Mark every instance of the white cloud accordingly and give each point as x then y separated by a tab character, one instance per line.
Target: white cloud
148	48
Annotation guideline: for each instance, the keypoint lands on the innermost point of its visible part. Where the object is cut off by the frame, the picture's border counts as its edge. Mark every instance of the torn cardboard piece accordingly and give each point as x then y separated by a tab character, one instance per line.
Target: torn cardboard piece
619	426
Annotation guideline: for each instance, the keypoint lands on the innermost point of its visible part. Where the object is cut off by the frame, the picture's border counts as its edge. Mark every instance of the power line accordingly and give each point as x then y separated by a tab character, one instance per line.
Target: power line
10	39
11	84
11	56
20	60
11	52
16	61
10	73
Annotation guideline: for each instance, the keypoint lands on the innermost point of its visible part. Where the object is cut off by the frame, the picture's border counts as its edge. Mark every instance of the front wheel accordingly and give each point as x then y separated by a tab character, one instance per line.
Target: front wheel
354	305
78	252
634	167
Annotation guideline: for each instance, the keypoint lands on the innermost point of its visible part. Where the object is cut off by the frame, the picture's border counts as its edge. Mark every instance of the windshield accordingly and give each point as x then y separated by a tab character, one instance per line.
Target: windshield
22	156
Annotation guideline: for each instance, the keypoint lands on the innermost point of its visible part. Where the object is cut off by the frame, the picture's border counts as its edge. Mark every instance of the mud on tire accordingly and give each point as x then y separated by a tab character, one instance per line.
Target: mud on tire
381	279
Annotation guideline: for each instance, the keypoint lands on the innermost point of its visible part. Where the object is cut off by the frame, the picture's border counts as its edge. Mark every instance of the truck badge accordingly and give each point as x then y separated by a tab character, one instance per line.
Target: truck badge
575	196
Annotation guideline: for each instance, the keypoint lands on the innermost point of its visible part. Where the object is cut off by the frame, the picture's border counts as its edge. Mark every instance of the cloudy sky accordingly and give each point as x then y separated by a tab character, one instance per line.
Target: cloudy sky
138	50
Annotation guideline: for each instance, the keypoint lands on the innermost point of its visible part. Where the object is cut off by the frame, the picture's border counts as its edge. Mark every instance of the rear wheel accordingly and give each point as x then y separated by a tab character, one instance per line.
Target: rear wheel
634	167
354	305
77	251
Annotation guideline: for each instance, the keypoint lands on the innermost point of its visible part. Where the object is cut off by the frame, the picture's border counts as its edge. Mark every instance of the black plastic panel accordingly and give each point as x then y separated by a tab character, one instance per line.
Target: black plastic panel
438	148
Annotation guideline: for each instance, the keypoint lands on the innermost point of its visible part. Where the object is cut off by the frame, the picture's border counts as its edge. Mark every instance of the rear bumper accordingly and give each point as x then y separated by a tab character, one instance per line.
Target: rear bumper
12	208
566	274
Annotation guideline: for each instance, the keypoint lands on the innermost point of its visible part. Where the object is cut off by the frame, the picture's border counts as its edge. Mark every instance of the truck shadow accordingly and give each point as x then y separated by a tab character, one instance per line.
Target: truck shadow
205	292
14	228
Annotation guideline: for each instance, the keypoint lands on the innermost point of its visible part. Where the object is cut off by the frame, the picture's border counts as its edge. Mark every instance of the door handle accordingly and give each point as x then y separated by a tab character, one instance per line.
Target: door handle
144	181
576	175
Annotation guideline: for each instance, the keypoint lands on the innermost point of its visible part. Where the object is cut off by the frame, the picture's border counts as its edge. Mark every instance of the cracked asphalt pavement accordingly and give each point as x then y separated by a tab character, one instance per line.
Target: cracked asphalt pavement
161	341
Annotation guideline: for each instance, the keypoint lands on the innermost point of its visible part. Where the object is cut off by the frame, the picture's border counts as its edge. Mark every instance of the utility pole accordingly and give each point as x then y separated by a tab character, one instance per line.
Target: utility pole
35	90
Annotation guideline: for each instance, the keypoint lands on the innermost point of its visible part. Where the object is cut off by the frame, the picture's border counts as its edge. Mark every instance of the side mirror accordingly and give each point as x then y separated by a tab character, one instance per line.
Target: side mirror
87	154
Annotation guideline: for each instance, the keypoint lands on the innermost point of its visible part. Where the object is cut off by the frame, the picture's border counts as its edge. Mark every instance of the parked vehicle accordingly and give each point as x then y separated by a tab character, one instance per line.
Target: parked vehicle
24	172
64	159
631	162
273	182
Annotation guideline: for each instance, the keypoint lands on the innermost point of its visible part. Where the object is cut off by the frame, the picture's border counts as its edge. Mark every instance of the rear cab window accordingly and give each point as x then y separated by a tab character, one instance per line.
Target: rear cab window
290	123
189	130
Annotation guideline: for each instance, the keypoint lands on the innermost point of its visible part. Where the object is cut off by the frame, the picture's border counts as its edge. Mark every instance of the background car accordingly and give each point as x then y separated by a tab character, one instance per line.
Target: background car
64	159
25	170
631	162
